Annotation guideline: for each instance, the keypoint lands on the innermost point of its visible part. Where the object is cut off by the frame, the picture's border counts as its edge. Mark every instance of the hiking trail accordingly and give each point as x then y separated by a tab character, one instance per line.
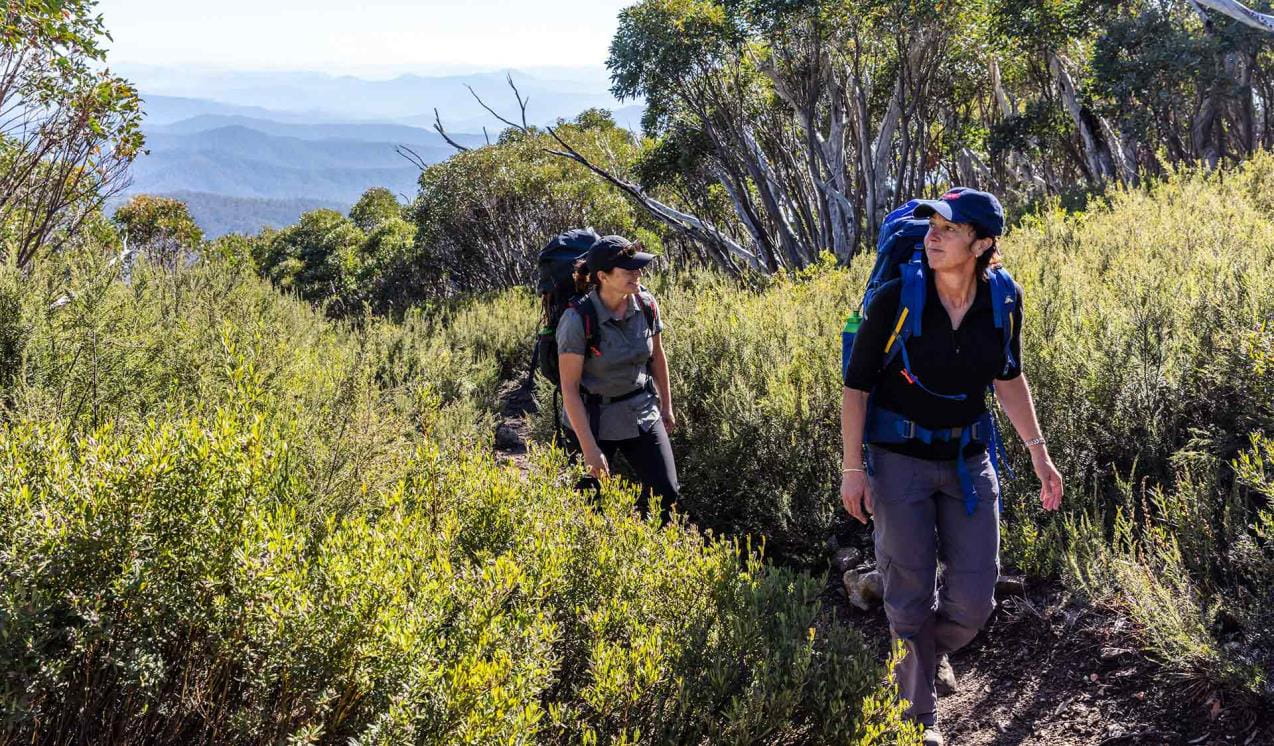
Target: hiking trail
1051	668
517	400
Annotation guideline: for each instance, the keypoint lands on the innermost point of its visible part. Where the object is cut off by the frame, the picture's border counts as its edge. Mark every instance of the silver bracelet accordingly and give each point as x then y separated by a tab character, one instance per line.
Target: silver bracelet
846	471
1035	442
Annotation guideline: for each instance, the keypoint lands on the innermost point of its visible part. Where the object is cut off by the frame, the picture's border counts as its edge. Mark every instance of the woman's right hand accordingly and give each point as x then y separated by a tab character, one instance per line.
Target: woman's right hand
855	494
596	462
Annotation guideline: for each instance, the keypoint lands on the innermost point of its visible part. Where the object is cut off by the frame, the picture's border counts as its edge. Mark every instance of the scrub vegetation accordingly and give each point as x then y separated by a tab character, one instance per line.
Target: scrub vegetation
1149	344
224	518
248	491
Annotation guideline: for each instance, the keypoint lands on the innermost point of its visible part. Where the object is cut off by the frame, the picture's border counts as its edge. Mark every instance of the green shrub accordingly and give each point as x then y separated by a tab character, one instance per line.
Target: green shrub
226	519
168	344
1149	345
160	585
1157	568
757	387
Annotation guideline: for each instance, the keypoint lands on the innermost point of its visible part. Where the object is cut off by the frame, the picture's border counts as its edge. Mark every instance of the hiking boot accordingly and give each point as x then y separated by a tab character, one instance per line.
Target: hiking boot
945	679
932	736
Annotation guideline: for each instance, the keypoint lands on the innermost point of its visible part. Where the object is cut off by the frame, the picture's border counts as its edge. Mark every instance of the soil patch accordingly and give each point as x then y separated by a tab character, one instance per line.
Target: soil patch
517	400
1052	669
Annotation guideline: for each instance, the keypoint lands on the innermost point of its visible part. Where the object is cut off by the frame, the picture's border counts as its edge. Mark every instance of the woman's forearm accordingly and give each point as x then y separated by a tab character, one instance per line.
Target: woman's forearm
1015	399
659	369
853	416
577	415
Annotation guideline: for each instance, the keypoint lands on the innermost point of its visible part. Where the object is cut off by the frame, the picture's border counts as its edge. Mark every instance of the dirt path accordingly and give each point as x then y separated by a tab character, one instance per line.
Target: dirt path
1048	669
516	402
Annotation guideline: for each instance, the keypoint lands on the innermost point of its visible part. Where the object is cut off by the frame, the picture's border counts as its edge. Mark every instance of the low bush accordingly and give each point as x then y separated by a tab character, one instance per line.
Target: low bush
224	519
756	386
96	351
1212	626
162	586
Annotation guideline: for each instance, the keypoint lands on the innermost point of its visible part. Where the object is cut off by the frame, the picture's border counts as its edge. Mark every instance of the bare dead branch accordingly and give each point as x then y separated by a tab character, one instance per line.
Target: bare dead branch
412	156
441	131
522	102
1239	12
493	112
692	226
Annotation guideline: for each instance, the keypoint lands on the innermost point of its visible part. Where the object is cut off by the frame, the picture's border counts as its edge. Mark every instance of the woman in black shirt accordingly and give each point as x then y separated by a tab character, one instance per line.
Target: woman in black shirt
927	477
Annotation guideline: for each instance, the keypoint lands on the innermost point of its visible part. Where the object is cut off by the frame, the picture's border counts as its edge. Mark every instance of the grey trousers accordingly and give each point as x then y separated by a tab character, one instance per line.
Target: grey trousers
920	519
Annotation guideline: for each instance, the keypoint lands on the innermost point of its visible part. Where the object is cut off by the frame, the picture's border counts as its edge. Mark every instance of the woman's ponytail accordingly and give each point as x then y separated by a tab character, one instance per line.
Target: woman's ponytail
989	259
584	280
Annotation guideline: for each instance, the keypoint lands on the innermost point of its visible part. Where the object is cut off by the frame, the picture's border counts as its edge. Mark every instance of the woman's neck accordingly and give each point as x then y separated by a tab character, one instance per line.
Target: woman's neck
955	286
612	299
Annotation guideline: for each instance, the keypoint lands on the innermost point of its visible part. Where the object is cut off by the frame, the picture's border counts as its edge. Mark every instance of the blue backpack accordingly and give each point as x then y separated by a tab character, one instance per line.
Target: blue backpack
900	254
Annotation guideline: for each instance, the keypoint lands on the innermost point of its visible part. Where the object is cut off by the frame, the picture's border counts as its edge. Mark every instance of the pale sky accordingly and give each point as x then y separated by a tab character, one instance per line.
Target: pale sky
348	36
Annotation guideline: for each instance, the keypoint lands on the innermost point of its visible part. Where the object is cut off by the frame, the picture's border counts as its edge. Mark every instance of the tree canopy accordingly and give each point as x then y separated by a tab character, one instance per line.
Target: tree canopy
808	120
68	128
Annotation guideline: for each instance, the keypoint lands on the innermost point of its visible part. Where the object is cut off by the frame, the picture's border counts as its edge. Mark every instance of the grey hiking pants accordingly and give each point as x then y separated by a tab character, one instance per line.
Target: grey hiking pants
920	519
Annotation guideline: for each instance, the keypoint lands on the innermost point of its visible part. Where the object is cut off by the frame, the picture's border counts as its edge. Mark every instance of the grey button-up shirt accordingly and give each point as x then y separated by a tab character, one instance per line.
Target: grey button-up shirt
626	343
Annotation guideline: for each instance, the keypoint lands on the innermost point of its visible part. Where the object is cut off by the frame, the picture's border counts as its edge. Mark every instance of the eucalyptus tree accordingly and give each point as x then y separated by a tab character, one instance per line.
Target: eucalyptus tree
376	207
813	117
160	228
779	129
1138	81
68	128
318	258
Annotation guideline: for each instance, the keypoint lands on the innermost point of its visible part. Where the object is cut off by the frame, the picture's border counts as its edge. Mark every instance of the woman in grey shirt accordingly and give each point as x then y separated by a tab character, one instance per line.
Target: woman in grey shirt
614	374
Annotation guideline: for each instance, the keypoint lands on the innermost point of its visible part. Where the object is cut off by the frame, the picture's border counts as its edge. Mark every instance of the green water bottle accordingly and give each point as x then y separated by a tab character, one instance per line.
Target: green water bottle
854	321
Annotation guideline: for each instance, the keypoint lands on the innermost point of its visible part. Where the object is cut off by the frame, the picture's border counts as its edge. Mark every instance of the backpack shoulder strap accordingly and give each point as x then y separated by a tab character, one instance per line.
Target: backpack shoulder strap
1004	304
583	305
646	302
911	306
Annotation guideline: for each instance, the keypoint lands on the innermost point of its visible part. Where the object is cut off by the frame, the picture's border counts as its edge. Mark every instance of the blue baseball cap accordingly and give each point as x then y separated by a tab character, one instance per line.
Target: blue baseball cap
965	205
609	252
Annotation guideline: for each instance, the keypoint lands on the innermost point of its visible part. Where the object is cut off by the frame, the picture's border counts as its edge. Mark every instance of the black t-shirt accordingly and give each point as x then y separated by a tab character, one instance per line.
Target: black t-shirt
946	360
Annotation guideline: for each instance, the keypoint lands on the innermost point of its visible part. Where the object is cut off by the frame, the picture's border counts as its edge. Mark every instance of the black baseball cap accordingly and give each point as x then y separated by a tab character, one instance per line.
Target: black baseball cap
965	205
609	252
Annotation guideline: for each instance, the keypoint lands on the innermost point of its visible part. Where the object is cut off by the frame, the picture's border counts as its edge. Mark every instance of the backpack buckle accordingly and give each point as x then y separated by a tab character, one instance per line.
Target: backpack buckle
908	428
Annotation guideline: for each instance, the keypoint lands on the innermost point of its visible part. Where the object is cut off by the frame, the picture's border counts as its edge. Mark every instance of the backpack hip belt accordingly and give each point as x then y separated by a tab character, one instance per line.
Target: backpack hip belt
593	404
887	426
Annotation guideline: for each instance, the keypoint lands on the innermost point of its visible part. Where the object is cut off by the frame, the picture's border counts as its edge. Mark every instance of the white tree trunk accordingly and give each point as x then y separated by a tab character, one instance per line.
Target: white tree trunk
1098	168
1240	13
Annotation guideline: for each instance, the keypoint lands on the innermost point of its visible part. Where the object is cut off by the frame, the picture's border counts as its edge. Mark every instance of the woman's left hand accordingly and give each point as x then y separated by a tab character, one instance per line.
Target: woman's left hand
670	420
1050	479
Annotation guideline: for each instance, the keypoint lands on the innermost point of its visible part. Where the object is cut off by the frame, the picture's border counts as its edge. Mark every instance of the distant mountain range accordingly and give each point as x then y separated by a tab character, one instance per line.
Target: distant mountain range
242	161
172	95
364	132
249	149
